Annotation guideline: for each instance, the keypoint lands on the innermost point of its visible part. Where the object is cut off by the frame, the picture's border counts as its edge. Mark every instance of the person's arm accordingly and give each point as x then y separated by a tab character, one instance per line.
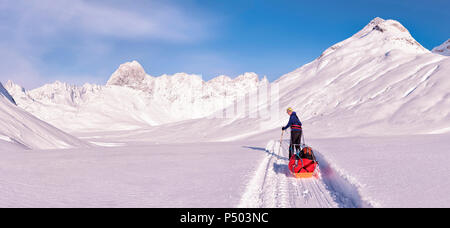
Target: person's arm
289	123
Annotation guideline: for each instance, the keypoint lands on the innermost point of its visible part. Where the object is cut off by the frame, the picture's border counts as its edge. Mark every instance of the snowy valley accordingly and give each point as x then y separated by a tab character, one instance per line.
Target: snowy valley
375	107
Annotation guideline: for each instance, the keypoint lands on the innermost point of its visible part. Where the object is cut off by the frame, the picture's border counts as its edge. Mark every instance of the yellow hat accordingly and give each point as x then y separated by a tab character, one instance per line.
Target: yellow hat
289	110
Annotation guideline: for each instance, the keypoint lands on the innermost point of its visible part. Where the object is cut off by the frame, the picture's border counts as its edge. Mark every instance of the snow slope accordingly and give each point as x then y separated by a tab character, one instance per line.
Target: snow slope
19	129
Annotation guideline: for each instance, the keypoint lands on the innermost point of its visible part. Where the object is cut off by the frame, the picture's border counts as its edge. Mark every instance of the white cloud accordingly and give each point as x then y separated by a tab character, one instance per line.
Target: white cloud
30	29
158	21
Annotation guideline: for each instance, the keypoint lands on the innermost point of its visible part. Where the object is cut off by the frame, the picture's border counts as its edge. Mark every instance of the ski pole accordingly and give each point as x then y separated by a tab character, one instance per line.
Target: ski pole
281	140
303	138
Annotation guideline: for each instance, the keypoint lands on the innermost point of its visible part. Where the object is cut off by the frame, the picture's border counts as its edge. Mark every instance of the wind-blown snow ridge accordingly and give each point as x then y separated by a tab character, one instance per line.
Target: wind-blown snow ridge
344	189
5	93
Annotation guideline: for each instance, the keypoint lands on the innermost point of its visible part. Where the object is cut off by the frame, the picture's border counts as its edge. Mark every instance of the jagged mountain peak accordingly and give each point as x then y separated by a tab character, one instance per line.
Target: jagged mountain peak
248	76
133	75
376	21
221	79
11	86
390	32
443	49
130	74
133	98
388	27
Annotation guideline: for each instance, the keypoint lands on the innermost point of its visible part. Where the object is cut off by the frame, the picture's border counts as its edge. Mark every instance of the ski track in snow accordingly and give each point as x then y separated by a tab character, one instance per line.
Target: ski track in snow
273	186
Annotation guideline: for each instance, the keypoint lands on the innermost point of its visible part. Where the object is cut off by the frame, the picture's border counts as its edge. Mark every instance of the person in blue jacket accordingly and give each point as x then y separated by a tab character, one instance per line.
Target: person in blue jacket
296	131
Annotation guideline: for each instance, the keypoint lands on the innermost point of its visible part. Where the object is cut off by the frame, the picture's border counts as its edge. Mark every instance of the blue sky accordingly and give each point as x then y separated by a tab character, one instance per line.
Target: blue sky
78	41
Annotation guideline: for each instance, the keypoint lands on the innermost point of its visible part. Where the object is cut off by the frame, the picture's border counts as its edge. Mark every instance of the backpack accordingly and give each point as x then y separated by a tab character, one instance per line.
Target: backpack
307	153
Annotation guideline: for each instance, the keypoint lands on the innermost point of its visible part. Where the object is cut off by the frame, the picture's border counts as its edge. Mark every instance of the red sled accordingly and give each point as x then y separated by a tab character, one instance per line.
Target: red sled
304	164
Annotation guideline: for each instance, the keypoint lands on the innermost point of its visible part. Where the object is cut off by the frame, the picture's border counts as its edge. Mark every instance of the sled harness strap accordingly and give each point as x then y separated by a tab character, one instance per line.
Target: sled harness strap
298	127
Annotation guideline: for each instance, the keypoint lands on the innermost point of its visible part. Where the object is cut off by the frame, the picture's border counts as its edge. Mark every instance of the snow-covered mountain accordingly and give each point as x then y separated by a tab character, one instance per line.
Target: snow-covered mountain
132	99
378	81
443	49
19	128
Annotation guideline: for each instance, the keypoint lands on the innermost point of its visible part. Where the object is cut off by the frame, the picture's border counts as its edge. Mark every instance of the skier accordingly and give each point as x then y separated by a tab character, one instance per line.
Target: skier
296	131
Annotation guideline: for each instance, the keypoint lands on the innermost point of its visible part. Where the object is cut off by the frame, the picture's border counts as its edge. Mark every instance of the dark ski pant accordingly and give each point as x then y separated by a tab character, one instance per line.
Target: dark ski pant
296	139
